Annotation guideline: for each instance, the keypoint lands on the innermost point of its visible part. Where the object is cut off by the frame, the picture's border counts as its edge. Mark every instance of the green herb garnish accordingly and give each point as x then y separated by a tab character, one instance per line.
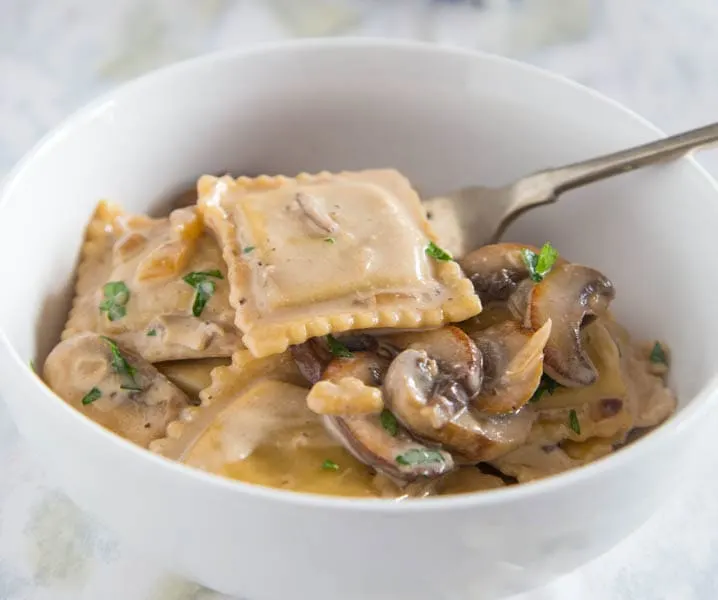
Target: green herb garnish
152	333
658	355
124	369
330	465
420	456
203	287
435	252
329	240
389	422
337	348
573	422
117	295
540	264
91	396
32	365
248	249
546	385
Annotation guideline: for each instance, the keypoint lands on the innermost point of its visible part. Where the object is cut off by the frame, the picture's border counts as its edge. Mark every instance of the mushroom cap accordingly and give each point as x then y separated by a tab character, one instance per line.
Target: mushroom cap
496	269
409	391
570	296
369	442
454	351
513	365
366	437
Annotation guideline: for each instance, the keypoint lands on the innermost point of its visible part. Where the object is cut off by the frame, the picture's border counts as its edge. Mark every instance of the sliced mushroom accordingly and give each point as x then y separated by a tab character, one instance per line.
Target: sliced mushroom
369	440
313	356
513	365
397	456
113	386
453	350
497	269
571	296
410	391
367	367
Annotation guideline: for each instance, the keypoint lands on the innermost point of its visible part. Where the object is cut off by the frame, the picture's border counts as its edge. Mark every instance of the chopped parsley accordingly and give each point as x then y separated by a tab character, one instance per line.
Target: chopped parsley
540	264
329	240
124	369
573	422
152	333
91	396
117	295
389	422
203	286
658	355
435	252
248	249
337	348
420	456
330	465
546	385
32	365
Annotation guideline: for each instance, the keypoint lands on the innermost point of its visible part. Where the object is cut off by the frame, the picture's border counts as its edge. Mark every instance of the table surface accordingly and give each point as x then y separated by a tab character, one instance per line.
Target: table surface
656	56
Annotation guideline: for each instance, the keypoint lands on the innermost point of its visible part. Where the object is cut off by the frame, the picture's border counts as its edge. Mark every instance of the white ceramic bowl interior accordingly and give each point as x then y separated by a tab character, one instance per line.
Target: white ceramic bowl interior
445	118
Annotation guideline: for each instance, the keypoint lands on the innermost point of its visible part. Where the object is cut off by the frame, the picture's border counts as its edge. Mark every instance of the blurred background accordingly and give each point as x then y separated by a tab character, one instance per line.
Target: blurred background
656	56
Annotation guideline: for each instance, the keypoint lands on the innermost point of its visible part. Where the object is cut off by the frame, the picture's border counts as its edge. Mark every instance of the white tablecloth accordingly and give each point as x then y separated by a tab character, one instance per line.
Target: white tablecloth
657	56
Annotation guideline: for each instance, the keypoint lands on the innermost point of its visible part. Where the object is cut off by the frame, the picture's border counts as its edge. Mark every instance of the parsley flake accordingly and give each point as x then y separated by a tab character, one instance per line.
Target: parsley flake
248	249
337	348
539	265
546	385
329	240
420	456
330	465
658	355
91	396
124	369
152	333
573	422
32	365
204	288
117	295
389	422
434	251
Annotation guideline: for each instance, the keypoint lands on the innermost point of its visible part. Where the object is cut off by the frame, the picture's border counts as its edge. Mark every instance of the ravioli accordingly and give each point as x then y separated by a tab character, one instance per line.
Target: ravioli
327	253
131	286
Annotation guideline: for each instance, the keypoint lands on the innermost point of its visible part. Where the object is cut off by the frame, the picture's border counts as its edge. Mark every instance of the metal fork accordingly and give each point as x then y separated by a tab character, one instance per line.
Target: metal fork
475	216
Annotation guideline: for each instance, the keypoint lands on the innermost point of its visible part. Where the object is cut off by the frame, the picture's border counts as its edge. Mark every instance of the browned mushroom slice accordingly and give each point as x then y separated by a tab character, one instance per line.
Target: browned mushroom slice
311	358
453	350
398	456
497	269
570	296
410	392
387	448
513	365
113	386
314	355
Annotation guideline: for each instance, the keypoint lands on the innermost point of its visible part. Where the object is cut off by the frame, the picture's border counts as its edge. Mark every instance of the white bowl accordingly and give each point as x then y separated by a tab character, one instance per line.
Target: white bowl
446	118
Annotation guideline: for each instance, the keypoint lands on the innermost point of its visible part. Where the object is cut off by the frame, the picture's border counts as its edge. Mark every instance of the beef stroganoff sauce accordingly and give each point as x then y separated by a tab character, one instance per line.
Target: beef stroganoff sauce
377	365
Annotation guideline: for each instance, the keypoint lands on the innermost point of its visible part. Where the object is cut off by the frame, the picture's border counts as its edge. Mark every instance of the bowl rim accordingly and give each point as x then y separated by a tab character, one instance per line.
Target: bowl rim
675	425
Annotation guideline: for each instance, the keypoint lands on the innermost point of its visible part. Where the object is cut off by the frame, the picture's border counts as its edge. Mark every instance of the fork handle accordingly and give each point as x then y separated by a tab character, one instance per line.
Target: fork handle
577	174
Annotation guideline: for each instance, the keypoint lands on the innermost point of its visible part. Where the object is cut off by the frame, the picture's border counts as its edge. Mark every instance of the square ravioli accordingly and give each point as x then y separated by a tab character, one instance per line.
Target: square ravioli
327	253
157	286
